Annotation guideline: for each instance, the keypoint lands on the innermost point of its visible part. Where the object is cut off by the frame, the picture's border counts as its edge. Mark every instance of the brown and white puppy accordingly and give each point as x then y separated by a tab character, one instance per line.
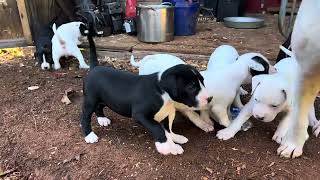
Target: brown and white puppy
305	45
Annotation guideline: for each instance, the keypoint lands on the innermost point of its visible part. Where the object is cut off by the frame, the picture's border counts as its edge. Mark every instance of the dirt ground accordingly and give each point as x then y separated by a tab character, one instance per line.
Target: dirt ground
40	137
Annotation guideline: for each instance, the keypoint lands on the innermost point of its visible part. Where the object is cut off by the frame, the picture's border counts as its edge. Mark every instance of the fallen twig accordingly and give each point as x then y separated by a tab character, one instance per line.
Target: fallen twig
8	172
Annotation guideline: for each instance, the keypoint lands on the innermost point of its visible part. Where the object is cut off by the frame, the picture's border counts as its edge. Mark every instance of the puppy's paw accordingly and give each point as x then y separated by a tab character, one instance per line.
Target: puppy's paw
169	148
179	138
316	129
207	128
292	146
225	134
246	126
84	66
289	150
56	66
91	138
279	136
313	122
104	121
177	150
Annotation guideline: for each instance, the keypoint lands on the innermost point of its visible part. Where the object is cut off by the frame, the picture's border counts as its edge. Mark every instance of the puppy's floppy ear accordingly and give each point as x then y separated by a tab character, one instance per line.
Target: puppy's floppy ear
256	81
169	84
199	76
258	64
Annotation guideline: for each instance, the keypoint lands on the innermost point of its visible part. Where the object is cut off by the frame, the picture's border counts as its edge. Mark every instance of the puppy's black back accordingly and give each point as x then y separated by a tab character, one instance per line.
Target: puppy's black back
120	90
43	44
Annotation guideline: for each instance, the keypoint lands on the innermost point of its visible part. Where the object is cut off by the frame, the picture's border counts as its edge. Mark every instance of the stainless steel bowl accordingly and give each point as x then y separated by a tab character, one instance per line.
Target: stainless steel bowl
243	22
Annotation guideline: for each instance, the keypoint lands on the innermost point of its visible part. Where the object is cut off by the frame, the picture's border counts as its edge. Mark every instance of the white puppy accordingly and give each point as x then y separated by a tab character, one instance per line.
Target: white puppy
271	95
223	83
65	42
306	49
155	63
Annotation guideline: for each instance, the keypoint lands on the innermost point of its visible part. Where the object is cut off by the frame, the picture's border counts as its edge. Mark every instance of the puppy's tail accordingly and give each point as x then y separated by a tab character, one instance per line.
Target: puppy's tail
287	51
54	28
133	62
93	52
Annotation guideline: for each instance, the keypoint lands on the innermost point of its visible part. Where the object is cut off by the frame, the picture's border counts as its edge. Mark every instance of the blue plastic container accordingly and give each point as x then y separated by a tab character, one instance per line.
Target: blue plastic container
185	17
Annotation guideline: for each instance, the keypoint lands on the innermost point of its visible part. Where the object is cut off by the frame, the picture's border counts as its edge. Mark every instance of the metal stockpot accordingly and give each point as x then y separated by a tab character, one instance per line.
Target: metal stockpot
155	23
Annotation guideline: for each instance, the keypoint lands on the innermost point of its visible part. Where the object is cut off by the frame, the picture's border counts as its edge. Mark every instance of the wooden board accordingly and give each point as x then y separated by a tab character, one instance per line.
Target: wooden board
138	55
115	42
24	21
8	43
10	27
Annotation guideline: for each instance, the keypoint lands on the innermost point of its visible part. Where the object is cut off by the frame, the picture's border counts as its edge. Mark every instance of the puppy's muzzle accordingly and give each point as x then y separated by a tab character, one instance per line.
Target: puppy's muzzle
259	118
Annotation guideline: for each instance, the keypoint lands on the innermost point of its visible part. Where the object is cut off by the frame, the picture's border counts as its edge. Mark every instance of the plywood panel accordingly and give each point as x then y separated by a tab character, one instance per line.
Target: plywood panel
10	24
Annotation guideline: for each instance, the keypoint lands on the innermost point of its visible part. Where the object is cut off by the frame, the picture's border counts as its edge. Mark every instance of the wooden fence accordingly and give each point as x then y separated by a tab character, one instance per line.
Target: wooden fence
20	19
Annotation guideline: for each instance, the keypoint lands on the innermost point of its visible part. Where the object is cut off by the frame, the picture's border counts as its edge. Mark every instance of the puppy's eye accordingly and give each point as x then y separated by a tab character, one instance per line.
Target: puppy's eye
256	99
191	86
274	106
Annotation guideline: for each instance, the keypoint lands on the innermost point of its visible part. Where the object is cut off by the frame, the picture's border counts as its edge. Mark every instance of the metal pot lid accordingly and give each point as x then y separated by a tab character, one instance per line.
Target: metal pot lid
156	6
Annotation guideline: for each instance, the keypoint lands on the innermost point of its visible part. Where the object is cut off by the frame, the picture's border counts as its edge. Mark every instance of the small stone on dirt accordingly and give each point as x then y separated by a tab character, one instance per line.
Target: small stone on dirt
209	170
32	88
271	164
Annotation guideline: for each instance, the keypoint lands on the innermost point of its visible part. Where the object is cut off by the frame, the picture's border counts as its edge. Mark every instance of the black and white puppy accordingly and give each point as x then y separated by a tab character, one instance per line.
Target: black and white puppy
65	42
141	97
43	53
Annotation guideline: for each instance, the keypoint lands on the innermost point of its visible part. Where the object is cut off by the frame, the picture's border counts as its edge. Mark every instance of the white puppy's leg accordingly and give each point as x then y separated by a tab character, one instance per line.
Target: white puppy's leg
79	56
195	118
220	111
312	117
282	129
178	138
313	122
236	124
316	129
56	58
237	101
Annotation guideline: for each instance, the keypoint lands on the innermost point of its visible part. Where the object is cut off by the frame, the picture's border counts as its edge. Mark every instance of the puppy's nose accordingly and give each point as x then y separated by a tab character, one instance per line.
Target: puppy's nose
259	118
45	68
209	99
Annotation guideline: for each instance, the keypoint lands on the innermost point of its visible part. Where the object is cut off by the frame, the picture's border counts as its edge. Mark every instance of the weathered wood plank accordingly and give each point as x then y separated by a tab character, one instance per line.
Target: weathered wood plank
10	24
13	43
115	42
24	21
138	55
